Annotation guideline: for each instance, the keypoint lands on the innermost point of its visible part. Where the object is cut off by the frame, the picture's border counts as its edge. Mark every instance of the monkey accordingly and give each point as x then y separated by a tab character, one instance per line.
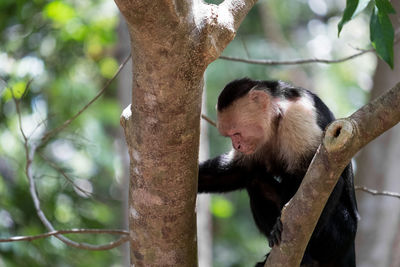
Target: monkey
275	129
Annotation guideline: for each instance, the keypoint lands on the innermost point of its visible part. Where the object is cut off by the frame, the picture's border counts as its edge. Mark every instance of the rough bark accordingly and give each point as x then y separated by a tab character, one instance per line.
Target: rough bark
172	43
343	138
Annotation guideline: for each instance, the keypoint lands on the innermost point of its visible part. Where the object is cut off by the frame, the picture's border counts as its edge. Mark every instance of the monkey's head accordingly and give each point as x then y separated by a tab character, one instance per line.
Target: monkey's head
244	115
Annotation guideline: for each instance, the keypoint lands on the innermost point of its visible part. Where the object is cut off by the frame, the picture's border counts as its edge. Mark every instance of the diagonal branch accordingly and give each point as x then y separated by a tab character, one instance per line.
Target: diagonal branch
30	152
209	120
59	170
218	24
343	138
30	149
238	9
55	131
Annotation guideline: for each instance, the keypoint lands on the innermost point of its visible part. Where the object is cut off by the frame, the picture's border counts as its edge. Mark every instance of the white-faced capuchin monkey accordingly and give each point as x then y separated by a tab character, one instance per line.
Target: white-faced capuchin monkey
275	130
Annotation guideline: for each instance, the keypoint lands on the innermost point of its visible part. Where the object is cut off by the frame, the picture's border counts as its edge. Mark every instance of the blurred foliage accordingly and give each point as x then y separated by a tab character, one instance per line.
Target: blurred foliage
65	51
221	207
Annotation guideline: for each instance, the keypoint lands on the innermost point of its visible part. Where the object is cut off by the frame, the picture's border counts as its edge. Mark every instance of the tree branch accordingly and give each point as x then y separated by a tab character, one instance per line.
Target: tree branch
53	132
72	231
207	119
30	149
30	152
238	10
295	61
217	24
376	192
59	170
305	61
343	138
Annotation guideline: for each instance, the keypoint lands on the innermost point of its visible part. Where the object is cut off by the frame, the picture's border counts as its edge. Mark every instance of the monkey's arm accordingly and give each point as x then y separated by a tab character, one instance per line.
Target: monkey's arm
221	174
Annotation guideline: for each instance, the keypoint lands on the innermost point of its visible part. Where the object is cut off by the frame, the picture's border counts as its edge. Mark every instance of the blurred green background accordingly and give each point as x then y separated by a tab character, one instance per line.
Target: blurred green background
67	50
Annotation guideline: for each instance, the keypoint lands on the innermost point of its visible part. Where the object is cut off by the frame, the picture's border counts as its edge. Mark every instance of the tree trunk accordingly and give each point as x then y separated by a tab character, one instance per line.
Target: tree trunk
172	43
162	132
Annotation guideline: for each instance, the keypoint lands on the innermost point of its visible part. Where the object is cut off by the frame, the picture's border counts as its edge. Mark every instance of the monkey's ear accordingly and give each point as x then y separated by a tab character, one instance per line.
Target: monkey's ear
260	97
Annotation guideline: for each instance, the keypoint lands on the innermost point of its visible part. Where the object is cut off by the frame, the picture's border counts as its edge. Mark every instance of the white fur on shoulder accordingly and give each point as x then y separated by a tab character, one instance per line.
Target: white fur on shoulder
298	132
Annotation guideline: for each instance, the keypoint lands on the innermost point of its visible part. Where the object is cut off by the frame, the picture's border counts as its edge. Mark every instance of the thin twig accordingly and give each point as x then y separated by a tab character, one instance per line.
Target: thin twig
28	84
296	61
377	193
245	47
59	170
30	149
16	101
72	231
306	61
51	133
30	152
210	121
42	122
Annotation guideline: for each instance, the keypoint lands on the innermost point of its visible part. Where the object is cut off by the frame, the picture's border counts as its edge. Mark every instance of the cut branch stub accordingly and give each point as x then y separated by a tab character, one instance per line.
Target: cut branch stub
125	116
338	136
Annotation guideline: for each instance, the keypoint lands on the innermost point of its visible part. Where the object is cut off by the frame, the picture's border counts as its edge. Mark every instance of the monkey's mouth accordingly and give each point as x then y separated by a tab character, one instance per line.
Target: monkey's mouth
248	150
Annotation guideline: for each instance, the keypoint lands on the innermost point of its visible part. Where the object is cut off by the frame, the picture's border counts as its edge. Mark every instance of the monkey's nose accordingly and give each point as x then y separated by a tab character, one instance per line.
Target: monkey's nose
237	146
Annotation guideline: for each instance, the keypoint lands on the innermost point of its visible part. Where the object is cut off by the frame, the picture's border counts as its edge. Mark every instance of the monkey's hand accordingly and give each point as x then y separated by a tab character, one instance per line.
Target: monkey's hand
274	237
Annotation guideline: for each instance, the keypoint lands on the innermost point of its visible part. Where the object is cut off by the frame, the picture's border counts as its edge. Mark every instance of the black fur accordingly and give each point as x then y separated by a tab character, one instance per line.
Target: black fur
234	90
238	88
332	242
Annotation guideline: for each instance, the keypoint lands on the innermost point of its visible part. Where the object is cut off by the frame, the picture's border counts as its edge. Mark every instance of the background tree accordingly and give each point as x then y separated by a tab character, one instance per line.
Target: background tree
378	239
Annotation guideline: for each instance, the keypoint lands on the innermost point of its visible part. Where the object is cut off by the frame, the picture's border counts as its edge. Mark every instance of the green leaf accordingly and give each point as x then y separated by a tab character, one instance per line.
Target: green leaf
17	89
108	67
382	35
361	6
351	6
59	12
385	6
221	207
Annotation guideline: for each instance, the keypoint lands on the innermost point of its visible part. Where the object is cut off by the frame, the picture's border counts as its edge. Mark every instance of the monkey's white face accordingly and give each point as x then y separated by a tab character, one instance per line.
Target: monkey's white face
245	139
245	124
